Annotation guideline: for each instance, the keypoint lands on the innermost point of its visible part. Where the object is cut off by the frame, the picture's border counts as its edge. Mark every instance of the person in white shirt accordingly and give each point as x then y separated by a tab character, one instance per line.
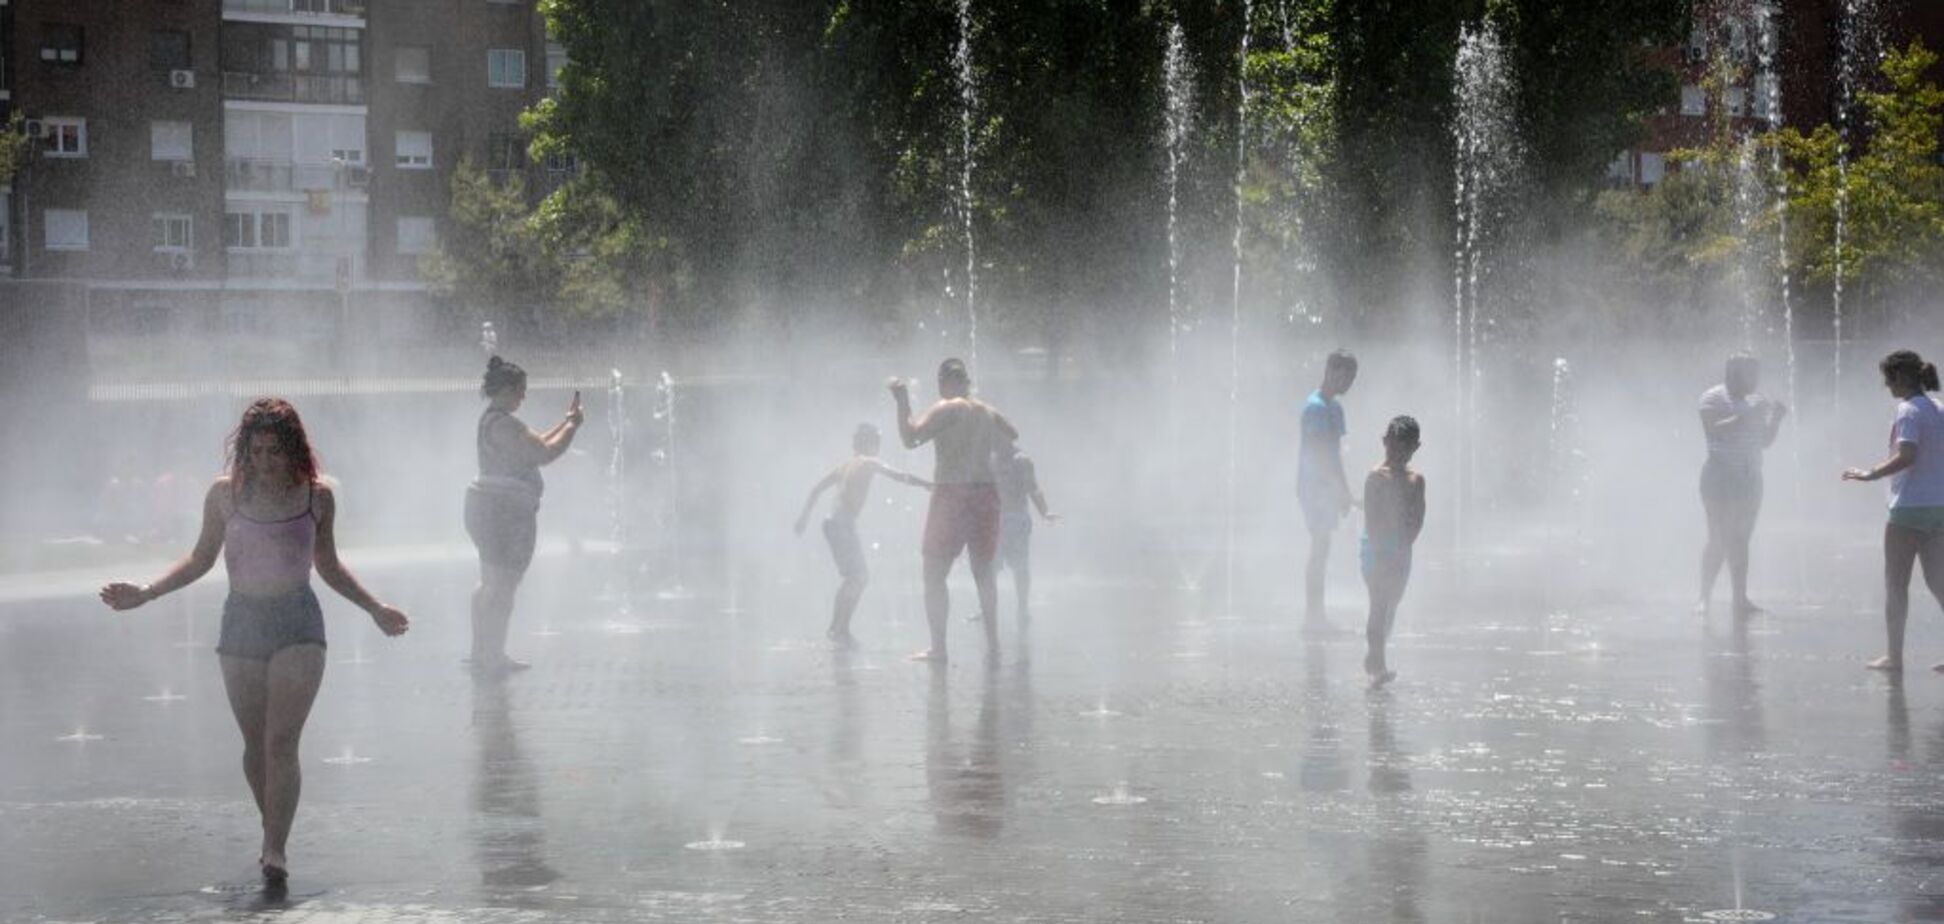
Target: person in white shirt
1739	424
1915	531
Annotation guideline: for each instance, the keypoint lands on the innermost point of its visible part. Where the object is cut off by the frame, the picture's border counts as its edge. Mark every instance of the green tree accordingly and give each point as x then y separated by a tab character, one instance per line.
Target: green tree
13	147
1892	254
490	254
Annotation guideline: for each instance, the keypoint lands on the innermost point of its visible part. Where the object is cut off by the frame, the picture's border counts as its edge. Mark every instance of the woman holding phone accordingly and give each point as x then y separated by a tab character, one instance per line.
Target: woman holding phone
503	505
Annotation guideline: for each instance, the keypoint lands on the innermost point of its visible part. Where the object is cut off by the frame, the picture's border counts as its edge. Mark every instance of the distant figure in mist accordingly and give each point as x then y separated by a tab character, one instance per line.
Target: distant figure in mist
1739	425
273	518
1018	486
964	513
1916	472
852	479
1322	489
1393	501
503	505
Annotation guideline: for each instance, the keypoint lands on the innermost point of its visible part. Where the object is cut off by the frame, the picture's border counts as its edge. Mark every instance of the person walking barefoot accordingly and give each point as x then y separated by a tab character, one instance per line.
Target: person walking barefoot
852	479
1393	518
503	505
964	512
1322	489
1915	531
274	519
1739	424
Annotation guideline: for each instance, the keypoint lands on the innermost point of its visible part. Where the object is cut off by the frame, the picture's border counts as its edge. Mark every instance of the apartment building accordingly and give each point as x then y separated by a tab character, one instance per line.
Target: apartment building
1788	47
233	165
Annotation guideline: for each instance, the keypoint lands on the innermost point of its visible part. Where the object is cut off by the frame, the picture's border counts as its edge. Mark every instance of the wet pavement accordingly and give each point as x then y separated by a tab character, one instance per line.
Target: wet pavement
1134	757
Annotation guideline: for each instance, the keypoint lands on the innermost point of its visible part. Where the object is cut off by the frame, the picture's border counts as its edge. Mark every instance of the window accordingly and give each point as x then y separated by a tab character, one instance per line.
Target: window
1621	170
256	230
1652	167
171	141
172	232
416	235
169	51
561	162
556	59
347	156
1693	101
1737	100
504	152
66	229
505	67
60	43
67	136
415	150
413	63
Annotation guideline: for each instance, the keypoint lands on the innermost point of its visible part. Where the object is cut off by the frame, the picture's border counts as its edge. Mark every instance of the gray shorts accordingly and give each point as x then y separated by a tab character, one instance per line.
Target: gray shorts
258	627
845	549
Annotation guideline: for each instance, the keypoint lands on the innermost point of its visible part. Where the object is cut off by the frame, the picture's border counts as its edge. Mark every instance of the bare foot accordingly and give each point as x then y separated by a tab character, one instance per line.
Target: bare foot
275	872
841	640
1886	664
1378	679
1937	668
934	657
1745	608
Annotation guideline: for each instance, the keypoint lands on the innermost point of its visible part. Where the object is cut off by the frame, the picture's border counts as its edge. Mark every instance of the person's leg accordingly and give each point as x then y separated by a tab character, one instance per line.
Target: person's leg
294	675
1314	615
1900	546
1714	553
1930	552
937	604
1022	571
1747	510
848	593
245	681
985	577
498	586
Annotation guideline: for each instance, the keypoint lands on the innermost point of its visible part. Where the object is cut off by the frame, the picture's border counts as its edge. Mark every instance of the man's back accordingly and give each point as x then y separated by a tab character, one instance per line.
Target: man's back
966	434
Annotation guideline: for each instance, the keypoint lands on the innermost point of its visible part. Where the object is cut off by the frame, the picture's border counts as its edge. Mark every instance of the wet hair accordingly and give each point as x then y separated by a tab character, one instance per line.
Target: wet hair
865	433
276	416
500	376
1743	359
1907	366
1340	359
1403	428
953	370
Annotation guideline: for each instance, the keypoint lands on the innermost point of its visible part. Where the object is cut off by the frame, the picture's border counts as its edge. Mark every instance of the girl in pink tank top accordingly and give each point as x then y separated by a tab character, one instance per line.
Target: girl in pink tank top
273	520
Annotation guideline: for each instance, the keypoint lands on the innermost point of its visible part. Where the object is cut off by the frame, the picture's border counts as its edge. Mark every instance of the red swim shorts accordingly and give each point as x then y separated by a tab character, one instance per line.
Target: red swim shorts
963	516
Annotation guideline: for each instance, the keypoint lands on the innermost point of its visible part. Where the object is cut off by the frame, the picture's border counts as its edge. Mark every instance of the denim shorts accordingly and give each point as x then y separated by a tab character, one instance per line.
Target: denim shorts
258	627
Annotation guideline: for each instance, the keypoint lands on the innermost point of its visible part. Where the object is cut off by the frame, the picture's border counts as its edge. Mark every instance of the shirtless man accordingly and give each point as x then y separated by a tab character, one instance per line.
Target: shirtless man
964	510
852	479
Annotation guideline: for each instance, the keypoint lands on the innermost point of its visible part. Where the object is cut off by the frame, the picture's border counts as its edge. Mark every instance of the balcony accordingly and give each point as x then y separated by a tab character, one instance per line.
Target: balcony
353	8
285	87
298	267
249	174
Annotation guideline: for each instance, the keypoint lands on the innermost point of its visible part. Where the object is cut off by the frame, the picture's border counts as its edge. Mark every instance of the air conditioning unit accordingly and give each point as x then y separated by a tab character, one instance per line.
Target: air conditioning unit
182	80
34	128
183	168
181	262
357	177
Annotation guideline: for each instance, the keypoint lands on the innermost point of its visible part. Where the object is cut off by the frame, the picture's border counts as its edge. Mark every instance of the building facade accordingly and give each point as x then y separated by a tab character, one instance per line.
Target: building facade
236	166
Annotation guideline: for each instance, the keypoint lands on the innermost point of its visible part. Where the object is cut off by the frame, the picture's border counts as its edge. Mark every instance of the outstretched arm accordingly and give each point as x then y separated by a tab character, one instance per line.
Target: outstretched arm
325	558
122	595
810	502
899	475
1037	496
1905	457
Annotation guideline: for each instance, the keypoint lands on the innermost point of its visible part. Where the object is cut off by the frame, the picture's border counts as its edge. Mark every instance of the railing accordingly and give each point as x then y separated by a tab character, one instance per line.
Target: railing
251	174
287	7
290	265
294	88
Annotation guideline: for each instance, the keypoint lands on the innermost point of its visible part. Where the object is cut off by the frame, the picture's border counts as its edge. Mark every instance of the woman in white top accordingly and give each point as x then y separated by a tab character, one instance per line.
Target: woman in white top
1915	531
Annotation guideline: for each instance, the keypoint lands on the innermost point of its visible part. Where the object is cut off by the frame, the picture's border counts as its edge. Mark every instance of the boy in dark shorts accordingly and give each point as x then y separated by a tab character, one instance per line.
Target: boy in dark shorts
852	479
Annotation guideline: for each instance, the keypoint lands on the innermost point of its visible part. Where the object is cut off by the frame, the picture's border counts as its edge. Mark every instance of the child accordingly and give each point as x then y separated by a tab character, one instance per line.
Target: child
1018	486
1393	517
1322	490
852	478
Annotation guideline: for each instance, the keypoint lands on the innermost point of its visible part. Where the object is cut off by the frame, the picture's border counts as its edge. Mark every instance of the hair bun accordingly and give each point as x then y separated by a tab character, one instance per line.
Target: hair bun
495	362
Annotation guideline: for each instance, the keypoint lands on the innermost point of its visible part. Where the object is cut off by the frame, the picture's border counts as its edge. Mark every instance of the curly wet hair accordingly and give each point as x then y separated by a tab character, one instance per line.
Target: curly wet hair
279	417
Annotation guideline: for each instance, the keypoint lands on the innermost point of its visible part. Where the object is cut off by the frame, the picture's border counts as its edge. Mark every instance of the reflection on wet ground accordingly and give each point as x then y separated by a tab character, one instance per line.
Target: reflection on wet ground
1130	760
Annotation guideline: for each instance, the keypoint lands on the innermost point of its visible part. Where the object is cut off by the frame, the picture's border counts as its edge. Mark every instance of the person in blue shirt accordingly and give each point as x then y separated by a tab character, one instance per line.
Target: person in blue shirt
1322	490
